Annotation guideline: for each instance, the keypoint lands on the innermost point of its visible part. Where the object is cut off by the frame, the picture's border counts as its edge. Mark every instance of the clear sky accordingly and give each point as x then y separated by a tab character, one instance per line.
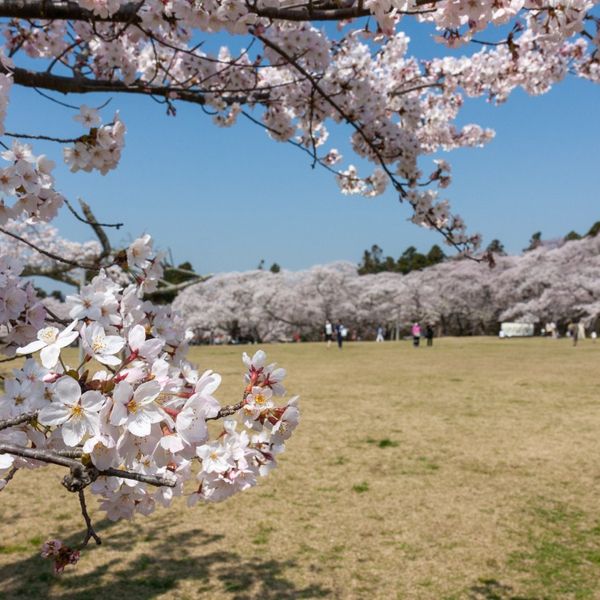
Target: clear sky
225	198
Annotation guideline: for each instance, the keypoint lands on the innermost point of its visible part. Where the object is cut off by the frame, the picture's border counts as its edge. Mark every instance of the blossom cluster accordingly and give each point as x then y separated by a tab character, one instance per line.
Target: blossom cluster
28	178
21	312
100	149
462	297
304	78
134	403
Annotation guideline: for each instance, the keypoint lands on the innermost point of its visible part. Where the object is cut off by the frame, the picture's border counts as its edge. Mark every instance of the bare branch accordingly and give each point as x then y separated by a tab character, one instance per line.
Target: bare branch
8	476
47	138
80	218
24	418
38	454
175	287
227	411
98	230
90	533
57	274
155	480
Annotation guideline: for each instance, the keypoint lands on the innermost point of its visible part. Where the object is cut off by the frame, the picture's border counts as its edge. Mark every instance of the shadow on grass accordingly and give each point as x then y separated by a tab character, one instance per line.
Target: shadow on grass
162	564
491	589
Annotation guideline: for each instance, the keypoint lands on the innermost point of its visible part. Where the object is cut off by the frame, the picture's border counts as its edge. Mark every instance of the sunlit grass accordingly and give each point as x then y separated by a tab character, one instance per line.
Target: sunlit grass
466	470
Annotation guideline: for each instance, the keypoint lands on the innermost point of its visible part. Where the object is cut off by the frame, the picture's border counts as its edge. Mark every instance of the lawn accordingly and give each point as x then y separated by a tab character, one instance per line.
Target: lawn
466	470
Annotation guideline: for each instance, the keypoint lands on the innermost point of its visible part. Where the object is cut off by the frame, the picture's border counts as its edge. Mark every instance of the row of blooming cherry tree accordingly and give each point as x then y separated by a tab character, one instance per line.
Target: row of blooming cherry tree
139	423
551	283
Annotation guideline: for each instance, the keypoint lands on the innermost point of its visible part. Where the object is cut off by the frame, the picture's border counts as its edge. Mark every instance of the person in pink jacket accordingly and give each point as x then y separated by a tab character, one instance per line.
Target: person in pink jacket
416	333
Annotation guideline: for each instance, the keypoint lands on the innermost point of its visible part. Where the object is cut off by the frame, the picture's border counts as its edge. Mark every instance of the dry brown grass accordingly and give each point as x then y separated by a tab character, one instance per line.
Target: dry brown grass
467	470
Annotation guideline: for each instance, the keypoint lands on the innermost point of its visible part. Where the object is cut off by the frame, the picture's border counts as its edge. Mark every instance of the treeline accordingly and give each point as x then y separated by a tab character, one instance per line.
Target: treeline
373	260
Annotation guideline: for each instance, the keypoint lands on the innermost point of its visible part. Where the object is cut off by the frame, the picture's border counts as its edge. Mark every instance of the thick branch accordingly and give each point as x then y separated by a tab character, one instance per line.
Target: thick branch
128	13
80	474
98	230
84	85
65	10
175	287
57	274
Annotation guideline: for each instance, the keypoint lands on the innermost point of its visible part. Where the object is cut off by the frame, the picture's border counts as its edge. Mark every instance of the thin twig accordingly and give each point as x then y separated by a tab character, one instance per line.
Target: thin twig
61	259
80	218
90	533
9	476
24	418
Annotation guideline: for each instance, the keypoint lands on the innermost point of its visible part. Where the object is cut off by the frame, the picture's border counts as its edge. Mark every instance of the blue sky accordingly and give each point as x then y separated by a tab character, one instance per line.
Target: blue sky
226	198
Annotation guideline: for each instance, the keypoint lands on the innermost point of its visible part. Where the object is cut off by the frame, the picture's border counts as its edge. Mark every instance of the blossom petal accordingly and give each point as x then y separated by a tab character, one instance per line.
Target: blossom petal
93	401
73	431
68	390
32	347
55	413
49	356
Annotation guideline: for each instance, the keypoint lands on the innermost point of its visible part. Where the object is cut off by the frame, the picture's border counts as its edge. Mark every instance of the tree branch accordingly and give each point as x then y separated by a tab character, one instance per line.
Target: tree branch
227	411
24	418
128	13
80	475
90	533
8	476
98	230
84	85
66	261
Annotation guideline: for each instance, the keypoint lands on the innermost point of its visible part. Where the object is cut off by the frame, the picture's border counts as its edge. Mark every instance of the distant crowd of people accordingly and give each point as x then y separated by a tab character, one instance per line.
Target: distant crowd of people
340	333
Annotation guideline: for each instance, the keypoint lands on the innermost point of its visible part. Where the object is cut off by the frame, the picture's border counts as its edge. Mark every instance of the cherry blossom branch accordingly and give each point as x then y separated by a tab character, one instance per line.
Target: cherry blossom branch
227	411
128	13
24	418
342	113
47	138
90	533
155	480
80	475
84	85
49	254
89	222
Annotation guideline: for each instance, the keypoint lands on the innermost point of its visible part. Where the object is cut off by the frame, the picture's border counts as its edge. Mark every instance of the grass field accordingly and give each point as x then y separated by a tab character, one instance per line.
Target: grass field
466	470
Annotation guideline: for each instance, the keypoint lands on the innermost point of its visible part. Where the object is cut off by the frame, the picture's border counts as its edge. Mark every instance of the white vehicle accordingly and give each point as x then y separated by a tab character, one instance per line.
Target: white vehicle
508	330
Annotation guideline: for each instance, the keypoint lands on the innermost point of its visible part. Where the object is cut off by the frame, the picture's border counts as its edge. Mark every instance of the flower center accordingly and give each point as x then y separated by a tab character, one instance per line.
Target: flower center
98	344
132	406
76	411
48	335
19	400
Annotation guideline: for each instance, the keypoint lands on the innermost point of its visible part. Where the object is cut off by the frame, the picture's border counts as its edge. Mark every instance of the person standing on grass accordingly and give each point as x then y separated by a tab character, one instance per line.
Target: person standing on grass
379	337
339	332
328	332
573	331
429	334
416	333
